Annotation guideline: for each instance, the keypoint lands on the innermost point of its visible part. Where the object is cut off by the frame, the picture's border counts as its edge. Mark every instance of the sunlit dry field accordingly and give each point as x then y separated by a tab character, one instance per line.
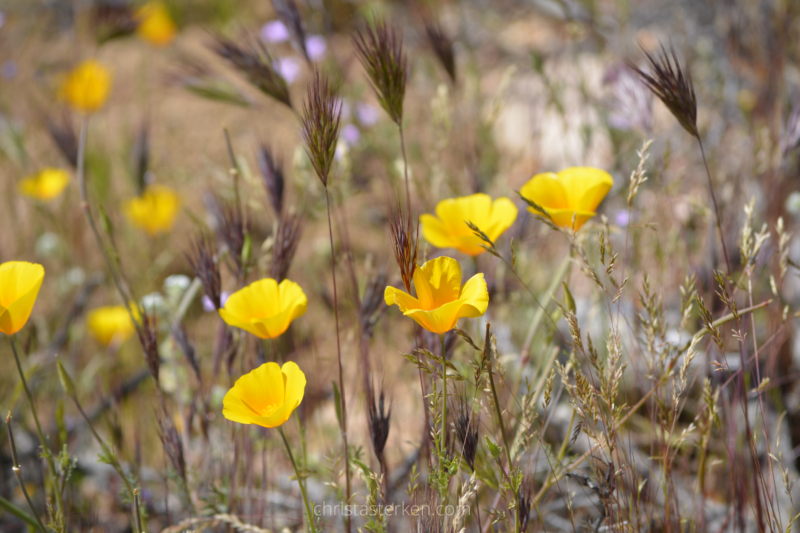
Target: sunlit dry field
432	266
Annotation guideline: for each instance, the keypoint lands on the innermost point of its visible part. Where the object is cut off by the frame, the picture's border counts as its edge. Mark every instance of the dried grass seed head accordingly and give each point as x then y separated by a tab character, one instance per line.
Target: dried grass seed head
320	124
380	50
466	425
442	45
171	441
148	338
140	157
373	304
272	176
289	13
378	419
256	63
524	501
65	137
790	139
229	226
405	243
672	83
287	239
202	259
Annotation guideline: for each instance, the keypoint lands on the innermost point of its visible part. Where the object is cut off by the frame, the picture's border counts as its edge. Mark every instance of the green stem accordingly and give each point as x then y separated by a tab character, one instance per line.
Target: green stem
19	513
112	458
443	443
45	448
502	432
309	514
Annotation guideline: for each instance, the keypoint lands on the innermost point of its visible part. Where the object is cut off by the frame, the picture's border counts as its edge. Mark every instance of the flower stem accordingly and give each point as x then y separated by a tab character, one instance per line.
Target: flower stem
309	514
37	522
45	448
502	428
339	359
443	443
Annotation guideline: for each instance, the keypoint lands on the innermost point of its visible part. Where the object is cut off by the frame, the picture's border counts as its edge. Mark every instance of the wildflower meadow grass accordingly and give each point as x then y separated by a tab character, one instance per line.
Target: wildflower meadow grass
370	266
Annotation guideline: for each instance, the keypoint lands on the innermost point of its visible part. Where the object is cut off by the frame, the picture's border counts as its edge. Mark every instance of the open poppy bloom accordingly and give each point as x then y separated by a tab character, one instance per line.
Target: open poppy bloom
155	25
111	324
45	185
448	229
267	396
575	191
265	308
85	88
441	300
155	210
19	285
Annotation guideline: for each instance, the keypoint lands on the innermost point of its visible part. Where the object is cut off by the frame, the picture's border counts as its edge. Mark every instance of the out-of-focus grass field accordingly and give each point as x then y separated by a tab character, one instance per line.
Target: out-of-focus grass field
649	432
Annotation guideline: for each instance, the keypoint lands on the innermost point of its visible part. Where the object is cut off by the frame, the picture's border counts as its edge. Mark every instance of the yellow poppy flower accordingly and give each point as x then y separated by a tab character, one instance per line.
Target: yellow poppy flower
574	191
155	24
267	396
45	185
448	229
85	88
111	324
265	308
19	286
441	300
155	210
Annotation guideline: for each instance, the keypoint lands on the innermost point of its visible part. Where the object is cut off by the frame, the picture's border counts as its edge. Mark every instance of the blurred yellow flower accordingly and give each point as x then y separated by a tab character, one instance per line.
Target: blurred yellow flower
155	24
441	300
45	185
574	191
155	210
448	229
85	88
19	286
265	308
111	324
267	396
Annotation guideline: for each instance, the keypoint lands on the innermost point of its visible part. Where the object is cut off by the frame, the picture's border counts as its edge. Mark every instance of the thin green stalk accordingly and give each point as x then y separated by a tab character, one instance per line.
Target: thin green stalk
12	509
309	514
405	167
114	461
443	442
339	359
18	474
45	448
502	429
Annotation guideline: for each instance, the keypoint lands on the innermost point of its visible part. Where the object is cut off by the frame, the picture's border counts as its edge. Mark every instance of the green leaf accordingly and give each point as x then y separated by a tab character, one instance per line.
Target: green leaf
66	381
494	449
568	299
338	399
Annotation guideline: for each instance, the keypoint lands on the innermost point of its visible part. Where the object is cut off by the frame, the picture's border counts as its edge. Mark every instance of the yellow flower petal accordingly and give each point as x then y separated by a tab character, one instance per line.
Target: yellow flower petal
265	308
438	282
155	23
575	191
155	210
586	187
442	301
267	396
111	324
45	185
449	229
85	88
19	286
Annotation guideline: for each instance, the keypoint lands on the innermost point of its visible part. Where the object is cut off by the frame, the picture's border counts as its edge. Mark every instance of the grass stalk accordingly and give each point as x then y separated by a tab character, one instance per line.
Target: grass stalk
342	394
309	514
48	455
15	467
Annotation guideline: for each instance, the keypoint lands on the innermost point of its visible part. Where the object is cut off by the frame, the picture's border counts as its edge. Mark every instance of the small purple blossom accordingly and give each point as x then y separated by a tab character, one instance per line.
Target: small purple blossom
367	114
317	46
622	218
288	68
208	305
9	70
274	31
350	134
